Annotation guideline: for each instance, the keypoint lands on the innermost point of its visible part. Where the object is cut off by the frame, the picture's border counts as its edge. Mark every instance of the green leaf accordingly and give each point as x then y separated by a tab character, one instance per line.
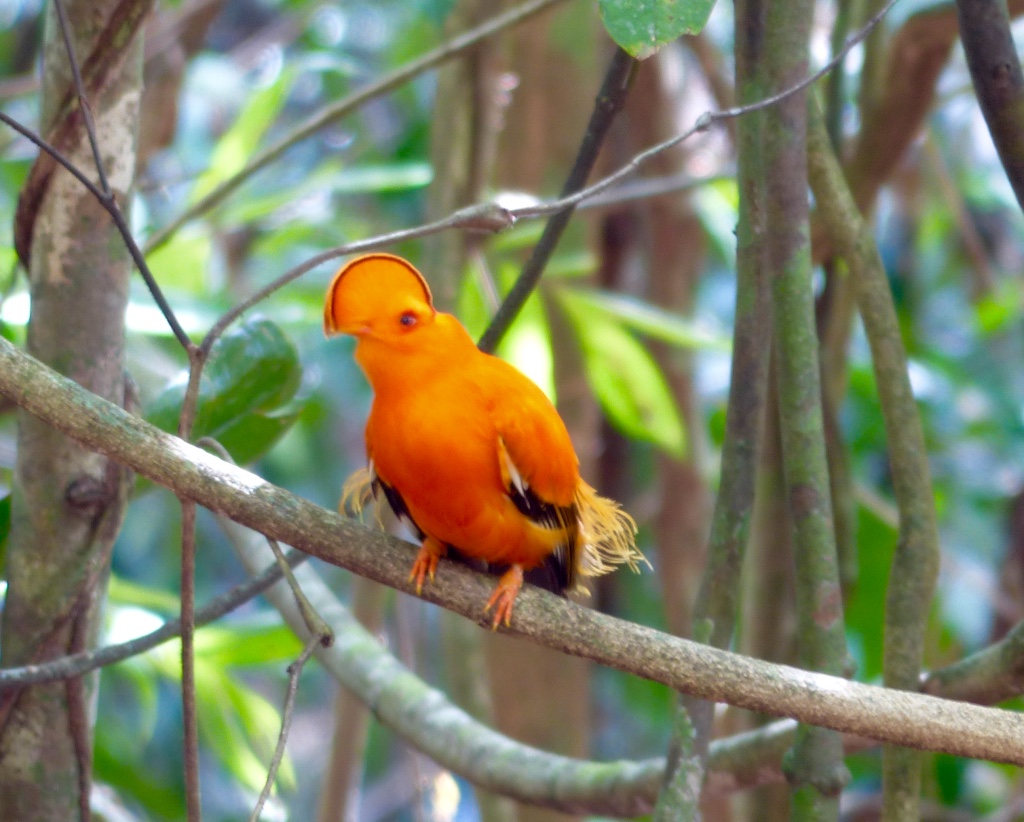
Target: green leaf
247	395
122	591
240	141
247	644
261	723
876	542
999	308
184	261
648	319
331	178
232	721
625	378
642	27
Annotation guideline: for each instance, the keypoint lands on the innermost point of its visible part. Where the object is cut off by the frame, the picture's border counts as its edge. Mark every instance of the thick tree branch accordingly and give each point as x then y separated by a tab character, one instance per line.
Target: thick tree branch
991	675
893	716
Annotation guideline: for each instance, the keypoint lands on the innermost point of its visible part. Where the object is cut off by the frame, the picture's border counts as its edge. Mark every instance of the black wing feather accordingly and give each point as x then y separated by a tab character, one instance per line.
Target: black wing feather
556	573
397	504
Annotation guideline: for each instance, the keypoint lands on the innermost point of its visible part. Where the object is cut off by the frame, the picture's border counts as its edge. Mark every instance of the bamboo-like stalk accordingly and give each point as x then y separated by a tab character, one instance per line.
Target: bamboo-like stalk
715	613
817	773
916	561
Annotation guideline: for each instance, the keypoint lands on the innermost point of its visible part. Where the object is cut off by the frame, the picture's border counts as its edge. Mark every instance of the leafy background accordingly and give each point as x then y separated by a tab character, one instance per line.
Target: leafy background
287	401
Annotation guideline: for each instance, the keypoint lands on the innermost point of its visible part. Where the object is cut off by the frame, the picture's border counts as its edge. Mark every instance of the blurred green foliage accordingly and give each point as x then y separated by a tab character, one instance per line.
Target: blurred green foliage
292	404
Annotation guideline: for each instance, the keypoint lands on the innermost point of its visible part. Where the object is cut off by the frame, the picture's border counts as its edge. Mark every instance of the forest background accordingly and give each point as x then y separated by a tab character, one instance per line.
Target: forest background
856	512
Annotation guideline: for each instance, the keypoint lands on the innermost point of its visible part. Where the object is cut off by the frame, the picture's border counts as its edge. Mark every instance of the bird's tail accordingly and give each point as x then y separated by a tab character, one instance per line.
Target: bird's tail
607	535
356	492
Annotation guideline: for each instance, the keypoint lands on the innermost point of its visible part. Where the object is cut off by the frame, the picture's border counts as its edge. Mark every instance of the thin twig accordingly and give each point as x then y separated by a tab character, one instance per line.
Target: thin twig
651	187
491	217
83	663
294	672
190	739
704	122
487	217
610	100
83	100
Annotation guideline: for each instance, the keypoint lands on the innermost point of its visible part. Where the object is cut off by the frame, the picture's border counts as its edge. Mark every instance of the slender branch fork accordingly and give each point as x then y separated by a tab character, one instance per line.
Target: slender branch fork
487	217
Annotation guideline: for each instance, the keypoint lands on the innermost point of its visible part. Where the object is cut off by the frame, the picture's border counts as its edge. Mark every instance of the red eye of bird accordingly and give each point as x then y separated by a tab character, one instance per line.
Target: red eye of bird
408	318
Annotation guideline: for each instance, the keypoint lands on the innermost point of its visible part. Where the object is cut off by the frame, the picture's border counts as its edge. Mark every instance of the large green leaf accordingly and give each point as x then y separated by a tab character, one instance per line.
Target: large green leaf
247	643
624	376
650	320
238	725
642	27
247	396
876	542
184	262
331	178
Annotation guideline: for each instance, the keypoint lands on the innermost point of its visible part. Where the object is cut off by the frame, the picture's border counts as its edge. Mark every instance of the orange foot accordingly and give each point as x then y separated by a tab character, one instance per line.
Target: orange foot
504	596
426	562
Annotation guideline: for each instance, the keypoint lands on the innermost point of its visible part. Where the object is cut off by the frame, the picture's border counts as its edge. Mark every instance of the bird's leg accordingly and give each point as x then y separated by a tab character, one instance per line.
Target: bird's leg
426	562
504	596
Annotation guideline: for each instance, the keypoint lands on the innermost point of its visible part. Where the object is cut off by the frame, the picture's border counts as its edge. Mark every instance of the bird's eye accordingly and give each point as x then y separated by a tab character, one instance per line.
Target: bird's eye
407	319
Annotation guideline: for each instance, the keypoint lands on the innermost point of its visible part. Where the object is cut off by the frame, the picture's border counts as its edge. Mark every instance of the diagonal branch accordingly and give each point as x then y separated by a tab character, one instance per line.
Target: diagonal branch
609	102
898	717
83	663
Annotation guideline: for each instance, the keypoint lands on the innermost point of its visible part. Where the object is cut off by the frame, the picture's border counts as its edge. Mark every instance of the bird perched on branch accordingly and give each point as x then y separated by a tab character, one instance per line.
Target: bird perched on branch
467	451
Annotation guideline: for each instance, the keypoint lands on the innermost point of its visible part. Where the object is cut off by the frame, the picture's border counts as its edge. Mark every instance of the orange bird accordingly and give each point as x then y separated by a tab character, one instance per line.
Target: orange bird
468	452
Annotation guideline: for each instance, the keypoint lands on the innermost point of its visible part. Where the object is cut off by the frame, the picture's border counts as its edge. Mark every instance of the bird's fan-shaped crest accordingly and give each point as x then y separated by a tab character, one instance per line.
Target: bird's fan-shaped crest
368	284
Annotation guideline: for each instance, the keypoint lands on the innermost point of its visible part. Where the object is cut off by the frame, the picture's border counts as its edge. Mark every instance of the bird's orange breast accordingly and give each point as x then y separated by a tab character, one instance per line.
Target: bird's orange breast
438	447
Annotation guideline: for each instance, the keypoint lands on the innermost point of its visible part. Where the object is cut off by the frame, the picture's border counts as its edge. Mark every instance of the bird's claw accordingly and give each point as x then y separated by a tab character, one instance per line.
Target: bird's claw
503	597
426	564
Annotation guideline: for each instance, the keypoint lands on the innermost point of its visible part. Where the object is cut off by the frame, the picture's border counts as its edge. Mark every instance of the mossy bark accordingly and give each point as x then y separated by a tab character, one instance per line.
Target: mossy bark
715	612
916	560
67	502
816	771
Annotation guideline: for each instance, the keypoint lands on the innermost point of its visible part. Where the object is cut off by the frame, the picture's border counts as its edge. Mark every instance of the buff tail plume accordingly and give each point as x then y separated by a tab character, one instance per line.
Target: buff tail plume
607	535
356	492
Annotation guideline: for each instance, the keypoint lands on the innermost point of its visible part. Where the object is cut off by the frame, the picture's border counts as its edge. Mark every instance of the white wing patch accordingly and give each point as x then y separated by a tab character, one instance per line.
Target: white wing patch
509	473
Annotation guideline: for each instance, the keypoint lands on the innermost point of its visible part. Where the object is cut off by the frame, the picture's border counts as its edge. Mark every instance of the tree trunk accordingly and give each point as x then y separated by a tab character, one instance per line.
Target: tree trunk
68	503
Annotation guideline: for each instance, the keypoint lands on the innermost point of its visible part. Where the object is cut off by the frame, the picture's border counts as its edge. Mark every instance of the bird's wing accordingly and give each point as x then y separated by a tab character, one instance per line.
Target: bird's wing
538	466
533	436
